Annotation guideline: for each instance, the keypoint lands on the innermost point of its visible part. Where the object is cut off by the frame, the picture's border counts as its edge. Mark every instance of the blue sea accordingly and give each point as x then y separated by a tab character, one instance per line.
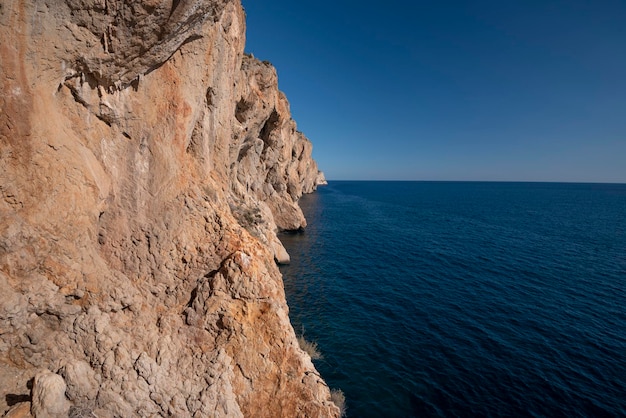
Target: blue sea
463	299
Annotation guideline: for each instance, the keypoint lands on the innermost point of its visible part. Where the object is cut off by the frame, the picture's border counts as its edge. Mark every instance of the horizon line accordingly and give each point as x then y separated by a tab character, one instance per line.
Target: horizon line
483	181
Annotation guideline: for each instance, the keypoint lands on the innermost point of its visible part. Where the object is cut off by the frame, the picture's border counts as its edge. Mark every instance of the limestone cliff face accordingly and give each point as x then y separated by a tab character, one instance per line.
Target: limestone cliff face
146	165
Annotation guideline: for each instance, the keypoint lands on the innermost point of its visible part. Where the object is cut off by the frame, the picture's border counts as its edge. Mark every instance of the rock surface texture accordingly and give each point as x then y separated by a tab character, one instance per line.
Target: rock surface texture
146	164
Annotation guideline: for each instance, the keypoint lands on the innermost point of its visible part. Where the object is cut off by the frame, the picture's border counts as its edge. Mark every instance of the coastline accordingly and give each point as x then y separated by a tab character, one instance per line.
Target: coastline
146	178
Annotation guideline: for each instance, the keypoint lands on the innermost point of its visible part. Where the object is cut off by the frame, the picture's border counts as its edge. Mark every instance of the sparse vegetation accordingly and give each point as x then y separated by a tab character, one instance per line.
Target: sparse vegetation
248	217
339	399
252	216
310	348
81	411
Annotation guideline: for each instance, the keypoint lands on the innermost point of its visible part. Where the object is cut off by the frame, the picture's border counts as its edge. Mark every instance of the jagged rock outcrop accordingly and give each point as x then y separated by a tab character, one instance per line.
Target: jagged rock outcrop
146	165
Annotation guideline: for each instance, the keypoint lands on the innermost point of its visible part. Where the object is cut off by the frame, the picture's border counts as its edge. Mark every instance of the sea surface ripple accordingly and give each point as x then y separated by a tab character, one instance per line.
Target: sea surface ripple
452	299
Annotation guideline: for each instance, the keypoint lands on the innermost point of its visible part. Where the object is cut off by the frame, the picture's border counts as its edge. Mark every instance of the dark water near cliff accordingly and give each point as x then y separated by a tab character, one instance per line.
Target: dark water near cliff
465	299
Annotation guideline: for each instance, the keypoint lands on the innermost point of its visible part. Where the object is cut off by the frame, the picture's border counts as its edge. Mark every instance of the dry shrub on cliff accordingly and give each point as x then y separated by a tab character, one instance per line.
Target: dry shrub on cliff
339	399
248	217
310	348
81	411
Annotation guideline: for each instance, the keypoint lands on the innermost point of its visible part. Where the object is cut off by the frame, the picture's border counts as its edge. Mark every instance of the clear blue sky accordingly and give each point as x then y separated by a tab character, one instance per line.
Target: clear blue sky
452	90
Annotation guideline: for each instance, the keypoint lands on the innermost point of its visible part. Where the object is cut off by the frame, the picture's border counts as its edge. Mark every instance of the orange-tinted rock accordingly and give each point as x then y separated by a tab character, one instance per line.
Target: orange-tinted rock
146	166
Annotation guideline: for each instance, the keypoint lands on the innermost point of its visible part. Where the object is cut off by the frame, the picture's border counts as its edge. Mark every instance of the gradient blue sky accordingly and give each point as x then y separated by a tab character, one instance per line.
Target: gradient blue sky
452	90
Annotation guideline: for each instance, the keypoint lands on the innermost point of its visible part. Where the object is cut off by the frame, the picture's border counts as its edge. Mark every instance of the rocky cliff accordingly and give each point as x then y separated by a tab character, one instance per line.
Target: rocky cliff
146	164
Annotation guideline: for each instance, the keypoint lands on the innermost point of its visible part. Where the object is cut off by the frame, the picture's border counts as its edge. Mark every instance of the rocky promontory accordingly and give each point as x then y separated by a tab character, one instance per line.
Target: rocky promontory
146	165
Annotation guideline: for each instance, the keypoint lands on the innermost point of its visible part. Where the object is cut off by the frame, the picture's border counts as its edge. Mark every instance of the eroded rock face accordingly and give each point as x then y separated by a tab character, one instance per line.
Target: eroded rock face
147	165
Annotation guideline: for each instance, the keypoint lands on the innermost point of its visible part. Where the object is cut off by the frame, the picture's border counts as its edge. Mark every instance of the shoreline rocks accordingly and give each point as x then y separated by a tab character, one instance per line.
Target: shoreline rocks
147	166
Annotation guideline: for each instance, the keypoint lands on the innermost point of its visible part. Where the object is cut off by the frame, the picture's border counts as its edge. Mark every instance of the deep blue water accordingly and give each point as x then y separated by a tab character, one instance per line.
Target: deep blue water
450	299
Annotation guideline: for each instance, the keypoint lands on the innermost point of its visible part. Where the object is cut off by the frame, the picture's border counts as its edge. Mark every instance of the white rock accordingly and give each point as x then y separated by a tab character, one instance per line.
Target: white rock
48	396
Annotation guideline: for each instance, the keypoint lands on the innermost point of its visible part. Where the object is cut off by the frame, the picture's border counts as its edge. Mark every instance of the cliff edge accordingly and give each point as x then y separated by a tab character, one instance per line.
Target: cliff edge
146	166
